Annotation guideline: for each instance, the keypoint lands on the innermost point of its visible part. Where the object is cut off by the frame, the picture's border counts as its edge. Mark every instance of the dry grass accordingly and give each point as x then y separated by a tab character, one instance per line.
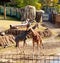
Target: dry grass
5	24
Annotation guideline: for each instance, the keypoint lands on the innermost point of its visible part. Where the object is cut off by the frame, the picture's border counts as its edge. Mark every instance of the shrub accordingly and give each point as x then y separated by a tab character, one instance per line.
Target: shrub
38	6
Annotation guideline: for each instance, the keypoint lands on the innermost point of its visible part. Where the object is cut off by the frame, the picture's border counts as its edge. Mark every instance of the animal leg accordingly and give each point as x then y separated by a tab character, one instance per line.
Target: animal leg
37	45
41	43
17	44
33	45
24	43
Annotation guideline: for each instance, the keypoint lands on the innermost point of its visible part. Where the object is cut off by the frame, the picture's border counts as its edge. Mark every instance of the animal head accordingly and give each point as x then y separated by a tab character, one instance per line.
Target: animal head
30	28
36	25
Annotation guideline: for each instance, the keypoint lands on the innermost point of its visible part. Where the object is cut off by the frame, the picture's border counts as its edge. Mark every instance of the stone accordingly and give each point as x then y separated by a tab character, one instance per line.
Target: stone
30	12
47	33
38	16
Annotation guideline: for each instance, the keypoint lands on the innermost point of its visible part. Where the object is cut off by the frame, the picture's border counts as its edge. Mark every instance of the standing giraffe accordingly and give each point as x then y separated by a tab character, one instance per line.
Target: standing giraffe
36	38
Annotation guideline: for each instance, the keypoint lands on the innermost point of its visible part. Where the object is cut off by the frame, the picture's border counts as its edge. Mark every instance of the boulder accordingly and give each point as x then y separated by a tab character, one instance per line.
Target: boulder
39	15
47	33
30	12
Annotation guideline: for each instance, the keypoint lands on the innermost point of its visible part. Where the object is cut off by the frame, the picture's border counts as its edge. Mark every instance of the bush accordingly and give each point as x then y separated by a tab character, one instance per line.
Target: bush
38	6
57	8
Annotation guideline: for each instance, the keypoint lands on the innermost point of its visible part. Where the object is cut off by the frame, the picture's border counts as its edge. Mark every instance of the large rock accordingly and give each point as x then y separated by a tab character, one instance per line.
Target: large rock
39	15
47	32
30	12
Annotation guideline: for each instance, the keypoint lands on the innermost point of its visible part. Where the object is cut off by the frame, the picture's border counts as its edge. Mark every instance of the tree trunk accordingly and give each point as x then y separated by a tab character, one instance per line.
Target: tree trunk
4	11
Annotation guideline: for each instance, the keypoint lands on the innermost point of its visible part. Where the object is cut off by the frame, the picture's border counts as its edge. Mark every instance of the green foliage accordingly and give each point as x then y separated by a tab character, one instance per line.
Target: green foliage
55	1
38	6
58	8
19	3
23	3
30	2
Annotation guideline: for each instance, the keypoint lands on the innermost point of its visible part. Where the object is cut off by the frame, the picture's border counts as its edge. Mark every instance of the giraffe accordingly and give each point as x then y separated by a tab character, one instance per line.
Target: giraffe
36	38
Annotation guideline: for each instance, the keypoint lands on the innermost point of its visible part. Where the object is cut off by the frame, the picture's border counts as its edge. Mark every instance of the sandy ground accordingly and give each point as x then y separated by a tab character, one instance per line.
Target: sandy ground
5	24
51	45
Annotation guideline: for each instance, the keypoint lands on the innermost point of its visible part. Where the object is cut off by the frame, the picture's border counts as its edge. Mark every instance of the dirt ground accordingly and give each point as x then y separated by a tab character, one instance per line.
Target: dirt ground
51	44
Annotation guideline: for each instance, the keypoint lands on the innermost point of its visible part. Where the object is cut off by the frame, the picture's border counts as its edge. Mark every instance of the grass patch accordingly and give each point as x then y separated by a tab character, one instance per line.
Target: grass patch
8	18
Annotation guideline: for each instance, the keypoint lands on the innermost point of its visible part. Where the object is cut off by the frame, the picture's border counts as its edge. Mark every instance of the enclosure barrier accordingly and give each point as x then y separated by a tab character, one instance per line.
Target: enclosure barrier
11	11
17	13
27	58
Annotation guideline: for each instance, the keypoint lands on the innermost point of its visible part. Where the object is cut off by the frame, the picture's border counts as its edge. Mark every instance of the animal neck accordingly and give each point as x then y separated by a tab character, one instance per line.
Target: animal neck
33	31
